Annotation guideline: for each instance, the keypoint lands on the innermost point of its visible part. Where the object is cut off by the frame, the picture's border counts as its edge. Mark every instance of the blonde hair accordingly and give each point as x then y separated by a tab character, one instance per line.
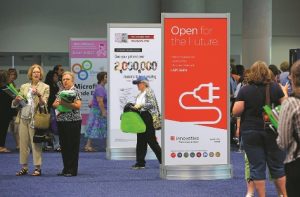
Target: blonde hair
69	73
259	73
30	70
284	66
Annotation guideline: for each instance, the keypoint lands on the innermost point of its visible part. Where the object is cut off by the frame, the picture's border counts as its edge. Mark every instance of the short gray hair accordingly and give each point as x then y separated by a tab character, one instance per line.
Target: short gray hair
146	82
69	73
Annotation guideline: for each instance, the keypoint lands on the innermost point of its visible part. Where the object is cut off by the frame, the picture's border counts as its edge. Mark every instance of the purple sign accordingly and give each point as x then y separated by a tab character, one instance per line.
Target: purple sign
88	49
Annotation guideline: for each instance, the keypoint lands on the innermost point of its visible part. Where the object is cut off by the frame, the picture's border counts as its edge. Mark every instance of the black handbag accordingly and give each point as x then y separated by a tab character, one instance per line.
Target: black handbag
42	135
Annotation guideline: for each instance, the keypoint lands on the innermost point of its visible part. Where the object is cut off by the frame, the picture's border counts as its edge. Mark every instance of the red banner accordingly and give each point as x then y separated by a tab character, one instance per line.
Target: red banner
196	70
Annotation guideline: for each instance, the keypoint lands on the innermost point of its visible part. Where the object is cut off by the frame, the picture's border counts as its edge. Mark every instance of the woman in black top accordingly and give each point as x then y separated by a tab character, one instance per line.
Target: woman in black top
14	127
6	113
52	80
69	126
260	142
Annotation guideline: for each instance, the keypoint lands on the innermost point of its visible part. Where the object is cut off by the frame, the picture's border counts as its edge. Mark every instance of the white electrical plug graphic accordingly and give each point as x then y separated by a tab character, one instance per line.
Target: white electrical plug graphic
211	96
210	99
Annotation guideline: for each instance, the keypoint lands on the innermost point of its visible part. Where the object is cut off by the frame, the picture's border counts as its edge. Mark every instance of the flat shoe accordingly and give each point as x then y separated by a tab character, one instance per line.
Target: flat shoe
138	167
60	174
68	175
37	172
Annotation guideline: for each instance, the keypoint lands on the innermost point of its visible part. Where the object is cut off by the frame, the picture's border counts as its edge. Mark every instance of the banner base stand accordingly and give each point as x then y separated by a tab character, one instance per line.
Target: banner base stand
208	172
126	154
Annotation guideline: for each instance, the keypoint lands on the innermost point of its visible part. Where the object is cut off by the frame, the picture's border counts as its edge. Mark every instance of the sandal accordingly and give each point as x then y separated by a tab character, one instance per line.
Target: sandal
22	172
89	149
4	150
37	172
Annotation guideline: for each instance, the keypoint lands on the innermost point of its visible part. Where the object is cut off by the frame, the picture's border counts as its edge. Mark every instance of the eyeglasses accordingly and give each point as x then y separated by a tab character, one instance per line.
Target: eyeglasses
36	72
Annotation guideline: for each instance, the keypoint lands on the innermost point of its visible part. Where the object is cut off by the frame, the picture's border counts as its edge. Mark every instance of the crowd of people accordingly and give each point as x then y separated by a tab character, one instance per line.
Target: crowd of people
65	117
250	90
265	147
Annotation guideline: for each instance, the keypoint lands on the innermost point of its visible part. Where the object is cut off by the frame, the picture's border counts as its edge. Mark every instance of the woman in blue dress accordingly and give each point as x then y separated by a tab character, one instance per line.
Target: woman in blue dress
97	122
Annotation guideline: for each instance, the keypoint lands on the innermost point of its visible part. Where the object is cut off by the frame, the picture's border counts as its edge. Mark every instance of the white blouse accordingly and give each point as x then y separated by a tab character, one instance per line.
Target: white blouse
141	99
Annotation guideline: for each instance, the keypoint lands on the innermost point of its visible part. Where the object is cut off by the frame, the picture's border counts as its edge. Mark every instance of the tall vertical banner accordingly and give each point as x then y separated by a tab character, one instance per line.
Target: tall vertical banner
196	101
88	56
134	50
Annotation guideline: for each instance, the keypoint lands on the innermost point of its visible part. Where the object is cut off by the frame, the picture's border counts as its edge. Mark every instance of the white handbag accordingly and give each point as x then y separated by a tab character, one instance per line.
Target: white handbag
26	112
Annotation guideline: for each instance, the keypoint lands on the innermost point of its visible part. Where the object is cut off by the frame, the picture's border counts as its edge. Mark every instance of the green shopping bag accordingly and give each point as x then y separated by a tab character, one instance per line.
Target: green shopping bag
62	108
131	122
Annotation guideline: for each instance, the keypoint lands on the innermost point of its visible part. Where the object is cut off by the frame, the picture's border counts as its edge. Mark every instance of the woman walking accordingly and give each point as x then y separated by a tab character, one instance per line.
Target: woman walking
259	141
147	105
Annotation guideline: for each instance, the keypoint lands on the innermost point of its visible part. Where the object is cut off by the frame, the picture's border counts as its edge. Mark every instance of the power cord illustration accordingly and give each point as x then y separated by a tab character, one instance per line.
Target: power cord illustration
210	99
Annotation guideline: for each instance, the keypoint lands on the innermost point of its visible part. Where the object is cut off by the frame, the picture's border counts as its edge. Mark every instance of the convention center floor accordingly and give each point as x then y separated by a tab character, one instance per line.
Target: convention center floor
100	177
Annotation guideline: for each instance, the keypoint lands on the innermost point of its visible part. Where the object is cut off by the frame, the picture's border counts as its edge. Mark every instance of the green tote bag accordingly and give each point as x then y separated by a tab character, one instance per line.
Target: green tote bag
131	122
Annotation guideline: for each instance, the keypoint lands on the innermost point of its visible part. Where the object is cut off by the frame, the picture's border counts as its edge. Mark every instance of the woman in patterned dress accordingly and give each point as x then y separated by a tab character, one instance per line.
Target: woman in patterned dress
97	122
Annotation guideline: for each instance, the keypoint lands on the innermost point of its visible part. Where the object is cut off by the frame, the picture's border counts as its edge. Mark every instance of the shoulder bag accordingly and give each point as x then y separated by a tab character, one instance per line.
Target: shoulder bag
42	118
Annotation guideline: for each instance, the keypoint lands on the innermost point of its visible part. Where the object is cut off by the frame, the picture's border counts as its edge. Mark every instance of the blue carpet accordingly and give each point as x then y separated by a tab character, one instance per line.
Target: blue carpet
100	177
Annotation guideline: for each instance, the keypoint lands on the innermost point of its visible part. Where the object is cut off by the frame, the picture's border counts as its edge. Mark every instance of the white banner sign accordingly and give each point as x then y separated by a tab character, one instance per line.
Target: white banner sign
133	51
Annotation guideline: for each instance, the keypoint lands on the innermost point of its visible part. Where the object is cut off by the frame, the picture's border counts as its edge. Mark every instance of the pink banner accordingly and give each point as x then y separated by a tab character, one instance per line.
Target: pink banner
88	49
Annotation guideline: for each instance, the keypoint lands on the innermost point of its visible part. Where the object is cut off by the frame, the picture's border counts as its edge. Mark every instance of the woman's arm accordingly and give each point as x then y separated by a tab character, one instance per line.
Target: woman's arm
16	101
43	98
285	92
101	105
56	103
238	125
238	108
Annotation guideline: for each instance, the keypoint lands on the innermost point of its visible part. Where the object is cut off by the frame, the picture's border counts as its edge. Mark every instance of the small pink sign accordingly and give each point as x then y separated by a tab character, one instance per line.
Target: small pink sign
88	49
84	118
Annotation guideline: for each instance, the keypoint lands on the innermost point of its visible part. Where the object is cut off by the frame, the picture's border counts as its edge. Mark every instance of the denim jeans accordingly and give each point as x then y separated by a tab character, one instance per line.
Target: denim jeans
262	150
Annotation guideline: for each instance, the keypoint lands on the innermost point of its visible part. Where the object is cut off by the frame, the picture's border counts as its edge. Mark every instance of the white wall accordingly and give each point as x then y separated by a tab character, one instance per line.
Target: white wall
234	7
22	61
281	46
285	26
46	26
286	29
